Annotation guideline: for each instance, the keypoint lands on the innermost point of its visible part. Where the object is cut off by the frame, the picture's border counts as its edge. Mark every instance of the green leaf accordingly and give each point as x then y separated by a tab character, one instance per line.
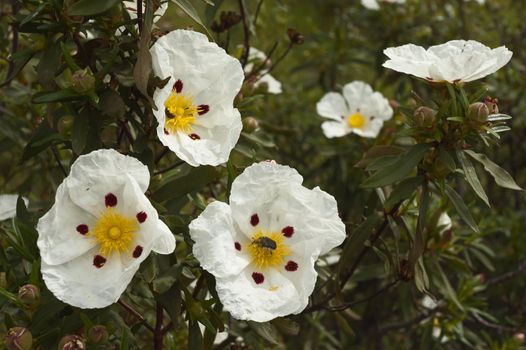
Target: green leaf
124	339
190	10
377	152
461	208
55	96
421	278
193	181
91	7
471	176
265	330
497	117
446	158
143	66
399	170
449	289
195	338
80	132
501	176
403	191
43	137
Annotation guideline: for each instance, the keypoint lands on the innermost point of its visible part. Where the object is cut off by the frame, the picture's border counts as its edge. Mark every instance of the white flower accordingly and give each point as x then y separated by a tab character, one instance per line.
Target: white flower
454	61
359	110
99	230
262	247
195	110
374	5
444	222
258	57
8	205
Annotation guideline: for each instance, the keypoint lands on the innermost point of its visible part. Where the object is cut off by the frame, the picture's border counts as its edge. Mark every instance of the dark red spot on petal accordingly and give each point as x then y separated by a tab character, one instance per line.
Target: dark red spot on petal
178	86
254	220
166	132
258	277
195	137
99	261
137	252
291	266
202	109
288	231
237	245
82	229
141	217
110	200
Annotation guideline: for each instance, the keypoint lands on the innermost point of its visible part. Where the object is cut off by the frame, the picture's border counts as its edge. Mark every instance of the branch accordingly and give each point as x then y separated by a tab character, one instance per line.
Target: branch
57	158
139	15
181	162
158	331
404	324
507	275
246	32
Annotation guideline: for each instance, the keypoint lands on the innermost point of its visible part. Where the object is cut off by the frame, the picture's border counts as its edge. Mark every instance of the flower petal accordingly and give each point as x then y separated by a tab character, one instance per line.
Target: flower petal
332	105
335	129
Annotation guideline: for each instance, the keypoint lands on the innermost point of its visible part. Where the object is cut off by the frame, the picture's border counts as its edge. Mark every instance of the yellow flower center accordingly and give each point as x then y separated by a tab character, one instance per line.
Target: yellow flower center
356	120
268	249
180	113
115	232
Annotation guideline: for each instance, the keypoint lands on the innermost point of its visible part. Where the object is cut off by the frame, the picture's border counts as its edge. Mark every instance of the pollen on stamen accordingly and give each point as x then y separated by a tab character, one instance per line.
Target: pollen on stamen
82	229
137	252
195	137
237	245
166	132
110	200
288	231
141	216
258	277
99	261
291	266
202	109
178	86
254	220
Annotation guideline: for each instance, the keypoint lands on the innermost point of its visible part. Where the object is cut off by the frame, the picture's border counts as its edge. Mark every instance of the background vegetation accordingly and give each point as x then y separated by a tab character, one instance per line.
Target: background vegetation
71	84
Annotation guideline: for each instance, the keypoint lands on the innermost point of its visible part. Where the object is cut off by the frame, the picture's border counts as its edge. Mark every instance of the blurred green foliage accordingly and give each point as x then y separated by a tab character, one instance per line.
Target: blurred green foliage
75	81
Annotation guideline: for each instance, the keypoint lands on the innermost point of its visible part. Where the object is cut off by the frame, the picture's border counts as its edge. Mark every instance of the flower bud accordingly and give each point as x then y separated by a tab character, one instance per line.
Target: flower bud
295	37
72	342
29	295
82	80
250	124
478	112
492	104
18	338
98	334
425	117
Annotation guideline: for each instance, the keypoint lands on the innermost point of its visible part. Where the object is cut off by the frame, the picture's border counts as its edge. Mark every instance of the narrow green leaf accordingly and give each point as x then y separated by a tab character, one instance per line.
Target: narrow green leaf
90	7
449	289
497	117
471	176
80	132
143	66
55	96
43	137
378	151
193	181
399	170
501	176
195	338
265	330
446	158
420	241
461	208
403	191
124	339
190	10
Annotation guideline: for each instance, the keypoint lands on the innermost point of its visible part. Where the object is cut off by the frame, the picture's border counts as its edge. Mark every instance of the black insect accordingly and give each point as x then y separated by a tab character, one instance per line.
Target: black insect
265	242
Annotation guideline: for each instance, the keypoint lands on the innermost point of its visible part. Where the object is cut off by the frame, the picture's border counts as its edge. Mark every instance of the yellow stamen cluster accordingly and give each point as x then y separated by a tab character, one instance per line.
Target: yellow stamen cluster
181	114
264	257
115	232
356	120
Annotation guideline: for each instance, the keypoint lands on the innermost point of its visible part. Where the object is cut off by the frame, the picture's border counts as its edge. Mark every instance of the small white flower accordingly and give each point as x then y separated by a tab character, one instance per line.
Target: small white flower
8	205
454	61
374	5
262	247
359	110
255	58
99	230
444	222
195	110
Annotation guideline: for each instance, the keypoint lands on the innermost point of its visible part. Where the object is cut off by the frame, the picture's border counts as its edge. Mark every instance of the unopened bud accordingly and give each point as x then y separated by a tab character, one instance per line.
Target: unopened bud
250	124
98	334
82	80
29	295
425	117
478	112
492	104
72	342
295	37
18	338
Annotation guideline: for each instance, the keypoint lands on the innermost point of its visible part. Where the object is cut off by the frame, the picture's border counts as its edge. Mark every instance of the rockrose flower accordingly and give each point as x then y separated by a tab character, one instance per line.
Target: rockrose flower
374	4
359	110
195	110
454	61
8	205
262	247
256	58
99	230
